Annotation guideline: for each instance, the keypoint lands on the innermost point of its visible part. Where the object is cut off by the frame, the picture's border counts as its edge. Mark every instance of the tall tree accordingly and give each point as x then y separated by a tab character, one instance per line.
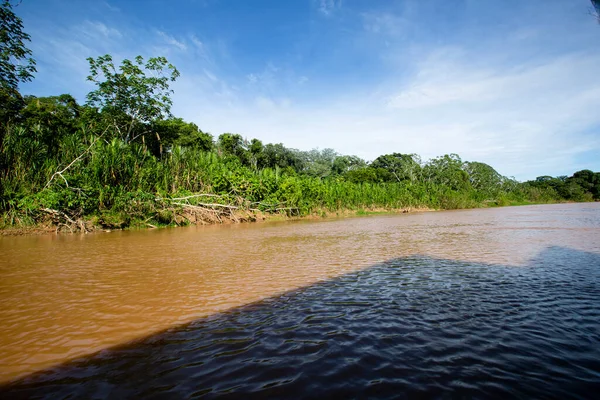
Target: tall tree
16	63
399	167
483	177
447	170
132	95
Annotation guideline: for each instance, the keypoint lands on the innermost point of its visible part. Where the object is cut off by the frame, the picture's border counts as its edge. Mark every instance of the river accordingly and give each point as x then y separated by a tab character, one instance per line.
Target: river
477	303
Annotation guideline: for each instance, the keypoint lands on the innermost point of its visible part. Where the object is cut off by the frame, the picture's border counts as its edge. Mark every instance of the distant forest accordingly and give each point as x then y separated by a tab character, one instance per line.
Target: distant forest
121	159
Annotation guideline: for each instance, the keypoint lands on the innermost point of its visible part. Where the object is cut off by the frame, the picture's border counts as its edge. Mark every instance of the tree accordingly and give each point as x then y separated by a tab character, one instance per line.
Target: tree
447	170
343	164
318	163
255	152
483	177
134	95
16	65
175	131
589	181
50	119
398	167
277	155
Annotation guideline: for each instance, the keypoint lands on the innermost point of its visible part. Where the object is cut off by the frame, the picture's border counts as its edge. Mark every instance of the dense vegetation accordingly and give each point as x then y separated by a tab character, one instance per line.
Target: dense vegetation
122	159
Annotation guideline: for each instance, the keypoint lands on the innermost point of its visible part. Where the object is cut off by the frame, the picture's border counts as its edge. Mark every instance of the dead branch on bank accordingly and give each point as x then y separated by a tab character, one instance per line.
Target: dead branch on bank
233	208
60	173
60	218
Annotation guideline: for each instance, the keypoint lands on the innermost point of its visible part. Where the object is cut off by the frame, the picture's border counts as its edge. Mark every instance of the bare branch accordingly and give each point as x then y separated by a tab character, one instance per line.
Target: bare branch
73	162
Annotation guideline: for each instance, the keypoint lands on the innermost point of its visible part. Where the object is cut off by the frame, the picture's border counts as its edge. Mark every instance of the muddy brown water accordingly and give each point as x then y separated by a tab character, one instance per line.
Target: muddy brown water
69	296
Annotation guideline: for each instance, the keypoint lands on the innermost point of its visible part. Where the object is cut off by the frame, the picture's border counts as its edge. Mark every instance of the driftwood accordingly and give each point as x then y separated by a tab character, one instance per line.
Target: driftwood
186	209
61	218
234	208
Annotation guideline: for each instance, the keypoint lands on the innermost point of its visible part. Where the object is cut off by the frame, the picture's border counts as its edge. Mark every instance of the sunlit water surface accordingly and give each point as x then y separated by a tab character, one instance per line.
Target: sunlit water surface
494	302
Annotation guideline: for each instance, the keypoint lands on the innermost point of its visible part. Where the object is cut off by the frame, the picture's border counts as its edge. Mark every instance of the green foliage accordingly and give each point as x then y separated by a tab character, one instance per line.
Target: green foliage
398	167
16	65
135	94
447	170
278	156
50	118
318	163
584	185
483	177
176	132
345	164
233	145
121	158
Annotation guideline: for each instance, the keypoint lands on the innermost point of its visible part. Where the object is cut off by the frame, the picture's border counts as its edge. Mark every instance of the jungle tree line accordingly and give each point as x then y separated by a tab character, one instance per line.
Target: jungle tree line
122	157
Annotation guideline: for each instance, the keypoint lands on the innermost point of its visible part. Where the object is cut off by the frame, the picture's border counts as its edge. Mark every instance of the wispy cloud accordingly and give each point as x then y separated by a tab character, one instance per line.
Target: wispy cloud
111	7
197	42
98	30
520	119
168	39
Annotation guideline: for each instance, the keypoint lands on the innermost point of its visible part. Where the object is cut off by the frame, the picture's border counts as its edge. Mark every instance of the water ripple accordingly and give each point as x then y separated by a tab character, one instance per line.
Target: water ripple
410	327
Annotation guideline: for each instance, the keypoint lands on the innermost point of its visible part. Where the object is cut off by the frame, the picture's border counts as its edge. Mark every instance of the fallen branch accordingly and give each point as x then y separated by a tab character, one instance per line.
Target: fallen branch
191	197
200	205
60	173
59	214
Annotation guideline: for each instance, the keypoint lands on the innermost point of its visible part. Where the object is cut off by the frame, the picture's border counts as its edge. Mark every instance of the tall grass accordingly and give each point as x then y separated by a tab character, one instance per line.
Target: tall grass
110	177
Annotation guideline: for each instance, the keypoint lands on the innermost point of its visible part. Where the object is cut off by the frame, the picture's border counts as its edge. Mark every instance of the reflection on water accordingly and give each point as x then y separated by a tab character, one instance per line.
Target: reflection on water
458	319
413	326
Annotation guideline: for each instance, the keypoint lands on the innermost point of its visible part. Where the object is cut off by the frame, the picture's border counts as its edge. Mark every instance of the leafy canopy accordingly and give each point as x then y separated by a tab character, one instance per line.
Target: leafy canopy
134	94
16	65
399	167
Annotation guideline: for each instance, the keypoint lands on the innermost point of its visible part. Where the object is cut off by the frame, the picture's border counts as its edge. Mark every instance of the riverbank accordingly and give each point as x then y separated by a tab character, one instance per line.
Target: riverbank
57	222
187	218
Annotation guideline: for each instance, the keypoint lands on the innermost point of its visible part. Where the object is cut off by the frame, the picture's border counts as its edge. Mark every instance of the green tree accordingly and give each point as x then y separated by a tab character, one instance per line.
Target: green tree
175	131
255	152
398	167
277	155
16	63
133	95
589	182
362	175
51	118
318	163
232	144
447	170
344	164
483	177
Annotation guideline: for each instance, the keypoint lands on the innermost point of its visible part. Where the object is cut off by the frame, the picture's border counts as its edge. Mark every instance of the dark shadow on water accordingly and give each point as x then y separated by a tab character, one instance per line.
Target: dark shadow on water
409	327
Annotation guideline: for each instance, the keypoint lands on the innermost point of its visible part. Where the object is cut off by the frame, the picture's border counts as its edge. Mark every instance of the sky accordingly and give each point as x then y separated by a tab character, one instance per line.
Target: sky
512	83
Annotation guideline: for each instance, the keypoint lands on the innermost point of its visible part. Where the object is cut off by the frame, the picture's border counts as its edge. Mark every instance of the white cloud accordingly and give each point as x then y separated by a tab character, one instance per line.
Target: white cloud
172	41
111	7
524	120
526	113
197	42
98	30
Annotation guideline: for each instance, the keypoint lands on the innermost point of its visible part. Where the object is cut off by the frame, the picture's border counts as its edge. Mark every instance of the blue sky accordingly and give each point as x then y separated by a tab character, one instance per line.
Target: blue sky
512	83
